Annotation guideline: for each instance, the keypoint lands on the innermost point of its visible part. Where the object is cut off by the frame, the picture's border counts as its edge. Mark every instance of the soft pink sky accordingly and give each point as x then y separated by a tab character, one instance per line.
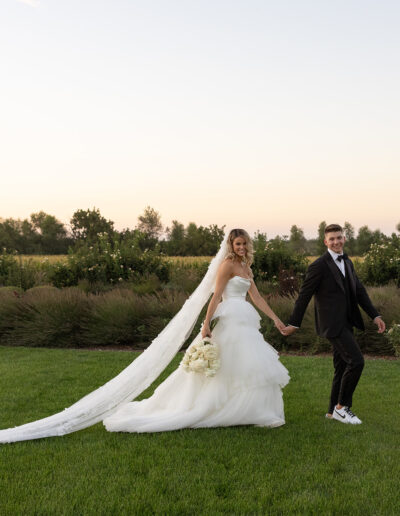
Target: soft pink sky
255	114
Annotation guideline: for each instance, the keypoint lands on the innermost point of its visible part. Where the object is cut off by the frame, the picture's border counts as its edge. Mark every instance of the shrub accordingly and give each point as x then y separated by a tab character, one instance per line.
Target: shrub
9	306
387	301
122	317
148	285
276	260
393	336
185	275
114	319
303	340
70	317
382	263
61	275
115	261
48	317
7	261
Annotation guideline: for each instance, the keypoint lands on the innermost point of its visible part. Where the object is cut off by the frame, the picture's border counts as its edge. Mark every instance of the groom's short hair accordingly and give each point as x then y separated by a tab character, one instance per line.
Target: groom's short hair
332	228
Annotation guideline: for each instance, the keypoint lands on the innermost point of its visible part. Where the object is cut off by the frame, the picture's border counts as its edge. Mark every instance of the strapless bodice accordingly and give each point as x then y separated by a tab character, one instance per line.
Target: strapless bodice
236	287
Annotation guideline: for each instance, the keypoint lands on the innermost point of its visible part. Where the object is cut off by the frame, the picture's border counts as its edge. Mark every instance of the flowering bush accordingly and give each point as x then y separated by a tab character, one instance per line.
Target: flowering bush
110	261
7	261
393	336
273	262
382	263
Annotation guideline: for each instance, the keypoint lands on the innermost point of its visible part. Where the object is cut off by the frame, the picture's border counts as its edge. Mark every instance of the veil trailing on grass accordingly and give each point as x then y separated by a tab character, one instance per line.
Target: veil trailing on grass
134	379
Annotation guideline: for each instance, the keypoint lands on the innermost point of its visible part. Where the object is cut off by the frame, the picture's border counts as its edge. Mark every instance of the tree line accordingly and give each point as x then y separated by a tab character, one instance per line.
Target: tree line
43	233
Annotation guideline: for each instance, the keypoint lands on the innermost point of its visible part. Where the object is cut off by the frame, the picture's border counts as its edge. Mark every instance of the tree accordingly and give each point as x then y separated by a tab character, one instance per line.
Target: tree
259	241
321	237
212	236
193	240
297	239
52	235
366	237
349	233
19	235
150	223
87	224
175	239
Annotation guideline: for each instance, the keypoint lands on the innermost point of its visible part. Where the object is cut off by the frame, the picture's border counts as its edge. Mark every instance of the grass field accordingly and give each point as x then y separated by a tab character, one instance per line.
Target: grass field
309	466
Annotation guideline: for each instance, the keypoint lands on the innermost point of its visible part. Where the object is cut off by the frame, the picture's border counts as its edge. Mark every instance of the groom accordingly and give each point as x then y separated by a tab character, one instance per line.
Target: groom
337	293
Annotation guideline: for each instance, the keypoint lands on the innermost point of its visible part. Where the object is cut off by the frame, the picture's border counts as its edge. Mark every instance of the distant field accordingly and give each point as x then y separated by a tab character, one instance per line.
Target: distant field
63	257
189	259
185	260
51	258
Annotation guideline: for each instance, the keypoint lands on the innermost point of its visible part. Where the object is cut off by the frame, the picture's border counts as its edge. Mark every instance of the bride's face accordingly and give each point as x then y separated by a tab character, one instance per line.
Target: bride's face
240	247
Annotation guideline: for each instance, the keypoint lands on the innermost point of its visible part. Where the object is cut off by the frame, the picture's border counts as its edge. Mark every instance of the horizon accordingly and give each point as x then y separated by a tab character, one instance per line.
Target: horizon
252	232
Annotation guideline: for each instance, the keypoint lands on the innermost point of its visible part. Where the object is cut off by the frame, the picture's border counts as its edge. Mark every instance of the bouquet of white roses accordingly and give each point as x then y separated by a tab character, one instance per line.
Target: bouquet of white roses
202	357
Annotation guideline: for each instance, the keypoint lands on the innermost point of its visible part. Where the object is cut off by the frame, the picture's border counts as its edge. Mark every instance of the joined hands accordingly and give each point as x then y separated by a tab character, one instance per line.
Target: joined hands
288	330
280	326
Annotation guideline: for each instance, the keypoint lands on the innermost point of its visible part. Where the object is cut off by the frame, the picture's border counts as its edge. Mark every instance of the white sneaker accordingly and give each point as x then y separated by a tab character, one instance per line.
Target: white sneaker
354	420
345	415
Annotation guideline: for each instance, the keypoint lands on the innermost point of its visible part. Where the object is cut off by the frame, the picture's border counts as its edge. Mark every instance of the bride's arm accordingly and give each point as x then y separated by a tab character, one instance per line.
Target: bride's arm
223	275
260	303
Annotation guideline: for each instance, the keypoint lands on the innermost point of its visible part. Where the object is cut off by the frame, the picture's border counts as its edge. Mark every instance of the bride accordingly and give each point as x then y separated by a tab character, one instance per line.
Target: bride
245	390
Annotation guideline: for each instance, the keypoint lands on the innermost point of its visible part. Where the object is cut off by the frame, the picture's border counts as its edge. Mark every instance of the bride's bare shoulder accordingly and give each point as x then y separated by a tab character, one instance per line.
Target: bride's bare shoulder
226	267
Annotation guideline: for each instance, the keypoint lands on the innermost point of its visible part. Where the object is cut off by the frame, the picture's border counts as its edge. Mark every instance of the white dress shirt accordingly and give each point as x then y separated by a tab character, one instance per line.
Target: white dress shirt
339	263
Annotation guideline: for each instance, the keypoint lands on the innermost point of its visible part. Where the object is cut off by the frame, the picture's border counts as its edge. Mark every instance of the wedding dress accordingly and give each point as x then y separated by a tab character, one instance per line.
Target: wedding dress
245	390
250	375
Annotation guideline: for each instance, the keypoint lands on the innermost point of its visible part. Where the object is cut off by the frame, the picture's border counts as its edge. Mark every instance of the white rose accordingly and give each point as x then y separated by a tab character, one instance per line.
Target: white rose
199	365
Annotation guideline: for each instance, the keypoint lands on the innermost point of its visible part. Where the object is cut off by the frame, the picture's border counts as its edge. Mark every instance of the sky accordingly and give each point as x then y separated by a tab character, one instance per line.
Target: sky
253	113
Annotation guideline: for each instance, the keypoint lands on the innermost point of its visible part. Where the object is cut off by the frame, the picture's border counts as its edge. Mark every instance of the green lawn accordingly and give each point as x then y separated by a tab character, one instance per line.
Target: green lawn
309	466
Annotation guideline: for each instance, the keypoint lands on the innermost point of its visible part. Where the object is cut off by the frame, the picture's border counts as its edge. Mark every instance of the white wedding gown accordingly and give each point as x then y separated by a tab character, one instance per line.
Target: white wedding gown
245	391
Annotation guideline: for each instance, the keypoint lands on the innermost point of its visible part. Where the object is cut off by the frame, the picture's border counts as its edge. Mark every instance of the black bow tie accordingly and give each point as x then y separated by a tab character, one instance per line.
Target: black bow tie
341	257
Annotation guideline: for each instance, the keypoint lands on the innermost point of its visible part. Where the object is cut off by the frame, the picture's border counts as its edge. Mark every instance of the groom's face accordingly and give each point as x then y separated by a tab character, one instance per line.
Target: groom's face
335	241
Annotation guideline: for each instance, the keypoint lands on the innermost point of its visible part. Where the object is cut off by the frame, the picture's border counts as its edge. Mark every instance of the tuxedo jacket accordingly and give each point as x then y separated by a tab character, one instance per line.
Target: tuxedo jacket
325	282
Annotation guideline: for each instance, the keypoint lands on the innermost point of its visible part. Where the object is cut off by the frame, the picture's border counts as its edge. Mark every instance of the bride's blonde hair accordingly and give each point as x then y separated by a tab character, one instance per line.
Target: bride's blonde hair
235	233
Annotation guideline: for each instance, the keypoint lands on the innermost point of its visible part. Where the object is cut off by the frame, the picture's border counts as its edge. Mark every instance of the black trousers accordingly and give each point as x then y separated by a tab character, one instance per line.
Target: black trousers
348	363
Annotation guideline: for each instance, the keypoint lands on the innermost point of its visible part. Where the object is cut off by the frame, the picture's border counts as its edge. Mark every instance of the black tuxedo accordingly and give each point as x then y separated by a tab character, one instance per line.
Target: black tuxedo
336	300
333	308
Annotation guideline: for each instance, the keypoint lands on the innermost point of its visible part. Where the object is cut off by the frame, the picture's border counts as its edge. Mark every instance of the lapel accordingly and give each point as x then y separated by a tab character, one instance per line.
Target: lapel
350	275
335	270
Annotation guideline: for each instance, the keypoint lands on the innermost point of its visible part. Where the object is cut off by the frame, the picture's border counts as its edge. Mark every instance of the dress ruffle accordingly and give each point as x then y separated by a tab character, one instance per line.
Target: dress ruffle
245	390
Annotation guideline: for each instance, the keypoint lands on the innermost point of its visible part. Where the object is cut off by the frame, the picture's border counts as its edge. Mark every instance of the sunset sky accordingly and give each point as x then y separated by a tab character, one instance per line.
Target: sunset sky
252	113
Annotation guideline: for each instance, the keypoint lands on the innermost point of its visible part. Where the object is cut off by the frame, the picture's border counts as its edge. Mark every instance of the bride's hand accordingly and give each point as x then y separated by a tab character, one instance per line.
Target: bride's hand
205	331
279	325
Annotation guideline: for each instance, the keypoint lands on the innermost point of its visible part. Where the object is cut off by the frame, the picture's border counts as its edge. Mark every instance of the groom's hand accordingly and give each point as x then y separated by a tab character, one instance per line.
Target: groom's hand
380	323
288	330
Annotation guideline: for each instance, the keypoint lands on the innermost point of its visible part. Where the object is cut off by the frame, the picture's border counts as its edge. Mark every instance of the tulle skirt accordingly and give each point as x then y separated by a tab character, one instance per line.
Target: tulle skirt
246	390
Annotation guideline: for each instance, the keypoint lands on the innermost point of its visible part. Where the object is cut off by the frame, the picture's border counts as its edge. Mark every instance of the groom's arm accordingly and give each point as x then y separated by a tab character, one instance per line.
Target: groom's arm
363	298
365	302
310	285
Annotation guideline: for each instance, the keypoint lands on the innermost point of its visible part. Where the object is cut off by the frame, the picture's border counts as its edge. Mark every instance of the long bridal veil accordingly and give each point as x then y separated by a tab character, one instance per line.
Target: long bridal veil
134	379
